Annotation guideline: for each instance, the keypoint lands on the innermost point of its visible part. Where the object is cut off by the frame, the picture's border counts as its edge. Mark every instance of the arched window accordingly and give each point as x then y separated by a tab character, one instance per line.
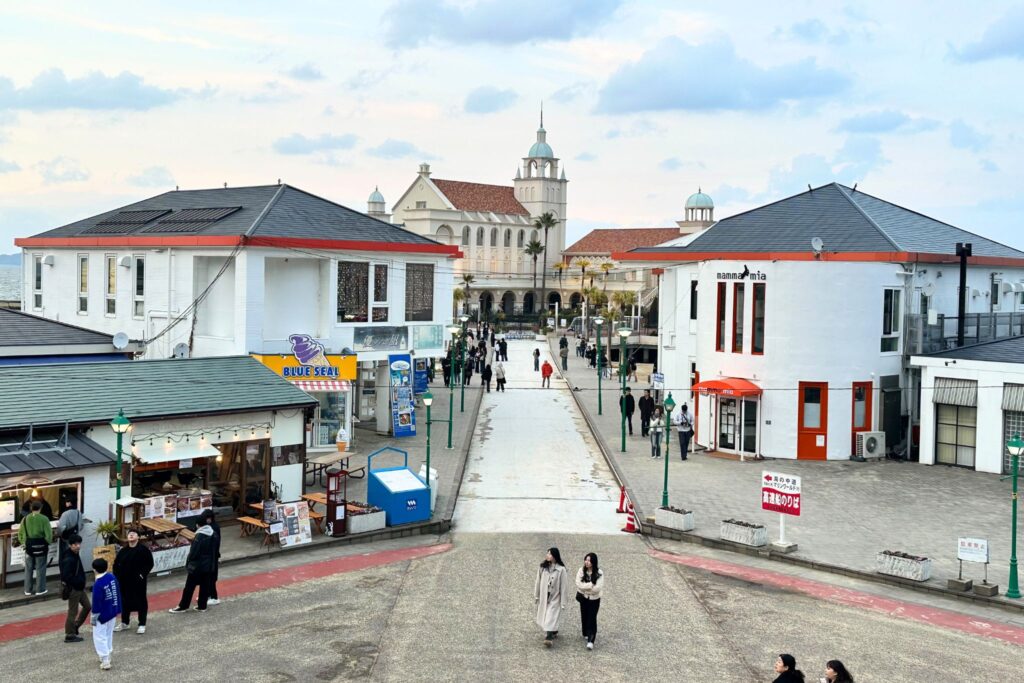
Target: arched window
480	236
465	235
534	236
444	234
494	237
508	237
521	241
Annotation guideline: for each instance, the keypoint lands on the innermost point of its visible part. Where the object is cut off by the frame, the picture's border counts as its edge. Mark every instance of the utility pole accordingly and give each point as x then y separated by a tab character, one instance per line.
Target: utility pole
963	251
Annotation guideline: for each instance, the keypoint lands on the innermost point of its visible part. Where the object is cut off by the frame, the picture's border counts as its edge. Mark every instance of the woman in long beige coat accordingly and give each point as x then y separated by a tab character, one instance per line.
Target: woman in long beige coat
551	592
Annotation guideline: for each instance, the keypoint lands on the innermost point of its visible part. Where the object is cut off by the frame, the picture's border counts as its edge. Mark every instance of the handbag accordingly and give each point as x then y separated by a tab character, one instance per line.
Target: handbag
579	597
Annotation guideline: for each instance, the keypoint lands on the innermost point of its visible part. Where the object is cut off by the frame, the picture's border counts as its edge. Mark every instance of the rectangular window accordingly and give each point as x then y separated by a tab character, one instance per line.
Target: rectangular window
812	407
139	287
83	284
421	205
994	294
890	321
419	292
380	293
720	319
955	433
110	292
924	307
37	282
353	292
693	299
738	291
757	345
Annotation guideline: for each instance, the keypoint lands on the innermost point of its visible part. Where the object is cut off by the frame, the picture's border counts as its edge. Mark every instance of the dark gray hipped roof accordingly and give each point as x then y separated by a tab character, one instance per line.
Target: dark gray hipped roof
23	329
264	211
846	220
80	452
92	393
999	351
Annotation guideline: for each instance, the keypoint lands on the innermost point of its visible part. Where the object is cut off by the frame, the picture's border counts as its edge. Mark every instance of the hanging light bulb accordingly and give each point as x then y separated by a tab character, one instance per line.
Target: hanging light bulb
252	432
219	457
187	439
168	441
34	493
151	442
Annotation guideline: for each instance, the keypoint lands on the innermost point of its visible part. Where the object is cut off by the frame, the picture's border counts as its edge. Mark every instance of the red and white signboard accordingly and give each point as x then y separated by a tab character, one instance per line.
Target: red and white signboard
780	493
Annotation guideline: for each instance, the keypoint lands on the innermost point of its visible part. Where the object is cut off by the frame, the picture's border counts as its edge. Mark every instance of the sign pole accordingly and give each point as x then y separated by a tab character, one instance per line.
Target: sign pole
782	529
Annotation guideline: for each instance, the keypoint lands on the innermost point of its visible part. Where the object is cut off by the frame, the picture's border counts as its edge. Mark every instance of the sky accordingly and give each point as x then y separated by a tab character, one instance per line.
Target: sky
919	103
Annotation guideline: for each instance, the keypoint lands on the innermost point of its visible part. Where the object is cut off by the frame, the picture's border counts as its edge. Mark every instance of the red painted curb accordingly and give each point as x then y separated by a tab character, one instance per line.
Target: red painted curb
239	585
844	596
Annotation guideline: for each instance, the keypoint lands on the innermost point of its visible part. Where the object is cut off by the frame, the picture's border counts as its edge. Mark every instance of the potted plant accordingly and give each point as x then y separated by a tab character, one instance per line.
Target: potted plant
745	533
903	565
674	518
107	531
362	517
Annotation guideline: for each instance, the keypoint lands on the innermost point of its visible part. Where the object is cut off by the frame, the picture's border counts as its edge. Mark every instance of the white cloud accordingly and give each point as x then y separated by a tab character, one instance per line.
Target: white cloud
1003	38
154	176
397	149
8	166
305	72
885	121
488	99
296	143
61	170
964	136
52	90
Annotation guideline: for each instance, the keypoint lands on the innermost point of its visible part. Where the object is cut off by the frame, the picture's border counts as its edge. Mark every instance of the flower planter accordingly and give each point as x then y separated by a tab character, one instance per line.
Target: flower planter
672	518
745	533
367	521
903	565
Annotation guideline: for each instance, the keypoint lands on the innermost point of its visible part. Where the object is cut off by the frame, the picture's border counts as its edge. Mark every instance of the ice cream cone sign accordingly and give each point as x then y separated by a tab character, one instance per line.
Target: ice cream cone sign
309	351
342	439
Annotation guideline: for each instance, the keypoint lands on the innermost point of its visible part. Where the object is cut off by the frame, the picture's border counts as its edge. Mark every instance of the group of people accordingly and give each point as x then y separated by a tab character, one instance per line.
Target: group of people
122	589
785	667
476	360
552	589
652	421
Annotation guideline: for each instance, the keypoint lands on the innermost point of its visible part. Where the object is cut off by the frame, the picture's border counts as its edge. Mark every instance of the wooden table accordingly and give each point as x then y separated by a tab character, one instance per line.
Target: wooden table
251	525
162	527
318	519
314	499
319	463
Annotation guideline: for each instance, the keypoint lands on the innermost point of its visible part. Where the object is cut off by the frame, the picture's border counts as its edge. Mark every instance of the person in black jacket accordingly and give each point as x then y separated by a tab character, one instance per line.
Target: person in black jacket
785	666
646	406
201	564
132	566
486	377
72	575
627	403
212	521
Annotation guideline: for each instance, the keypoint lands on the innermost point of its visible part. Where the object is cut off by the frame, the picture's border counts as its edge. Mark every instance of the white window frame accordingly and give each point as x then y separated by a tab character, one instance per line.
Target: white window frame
83	291
37	282
110	282
376	304
995	294
894	322
138	299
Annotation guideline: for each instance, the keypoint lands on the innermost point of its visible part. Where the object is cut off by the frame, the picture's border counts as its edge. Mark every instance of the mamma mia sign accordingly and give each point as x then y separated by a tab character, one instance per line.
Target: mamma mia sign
745	274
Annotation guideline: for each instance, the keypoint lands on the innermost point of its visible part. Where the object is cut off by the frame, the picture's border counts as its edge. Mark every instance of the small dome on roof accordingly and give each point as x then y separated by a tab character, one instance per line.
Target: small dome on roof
541	148
699	201
376	196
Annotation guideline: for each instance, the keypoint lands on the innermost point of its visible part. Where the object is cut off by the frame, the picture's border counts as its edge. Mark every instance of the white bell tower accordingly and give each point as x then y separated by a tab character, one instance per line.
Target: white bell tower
540	187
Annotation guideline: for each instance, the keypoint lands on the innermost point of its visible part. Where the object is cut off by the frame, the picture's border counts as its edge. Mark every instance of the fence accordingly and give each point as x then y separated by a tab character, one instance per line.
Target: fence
922	337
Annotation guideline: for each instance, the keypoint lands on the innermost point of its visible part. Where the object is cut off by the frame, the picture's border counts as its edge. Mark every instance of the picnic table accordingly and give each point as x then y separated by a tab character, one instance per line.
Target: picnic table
251	525
317	465
314	516
159	527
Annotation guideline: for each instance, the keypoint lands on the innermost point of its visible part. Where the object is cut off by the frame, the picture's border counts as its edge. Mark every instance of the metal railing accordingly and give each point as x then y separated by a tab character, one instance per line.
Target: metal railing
922	338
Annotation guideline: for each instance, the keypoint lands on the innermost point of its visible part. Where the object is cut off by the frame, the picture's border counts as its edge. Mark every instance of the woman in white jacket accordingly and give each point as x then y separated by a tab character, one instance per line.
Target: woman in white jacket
589	584
551	593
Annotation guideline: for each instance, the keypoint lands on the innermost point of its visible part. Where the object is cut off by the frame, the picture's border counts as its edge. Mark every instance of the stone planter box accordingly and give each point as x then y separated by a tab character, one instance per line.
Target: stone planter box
904	566
680	520
370	521
754	535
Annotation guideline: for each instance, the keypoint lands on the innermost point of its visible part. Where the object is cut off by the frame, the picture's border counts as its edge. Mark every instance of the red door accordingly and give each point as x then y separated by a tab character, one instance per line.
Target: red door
861	411
812	421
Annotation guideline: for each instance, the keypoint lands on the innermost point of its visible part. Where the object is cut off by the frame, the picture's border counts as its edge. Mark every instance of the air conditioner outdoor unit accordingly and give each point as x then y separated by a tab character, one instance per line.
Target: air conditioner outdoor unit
871	444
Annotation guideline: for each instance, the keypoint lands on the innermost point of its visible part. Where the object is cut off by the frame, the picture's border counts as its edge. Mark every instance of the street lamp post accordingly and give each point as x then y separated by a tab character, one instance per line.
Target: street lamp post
623	335
598	321
1015	446
120	425
462	353
454	329
669	405
428	399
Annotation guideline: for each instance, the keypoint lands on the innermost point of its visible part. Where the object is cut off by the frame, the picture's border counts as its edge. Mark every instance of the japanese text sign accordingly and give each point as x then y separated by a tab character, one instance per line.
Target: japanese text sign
780	493
972	550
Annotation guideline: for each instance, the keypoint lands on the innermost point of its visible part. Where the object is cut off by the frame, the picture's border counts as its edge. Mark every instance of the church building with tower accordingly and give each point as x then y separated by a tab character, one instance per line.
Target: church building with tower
492	225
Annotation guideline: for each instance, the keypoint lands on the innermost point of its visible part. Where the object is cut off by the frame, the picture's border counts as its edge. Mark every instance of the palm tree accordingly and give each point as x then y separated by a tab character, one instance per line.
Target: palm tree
606	268
458	296
560	268
534	249
622	301
545	222
583	264
467	280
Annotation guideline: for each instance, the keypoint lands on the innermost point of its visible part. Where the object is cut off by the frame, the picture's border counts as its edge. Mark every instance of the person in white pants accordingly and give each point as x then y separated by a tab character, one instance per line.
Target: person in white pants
106	605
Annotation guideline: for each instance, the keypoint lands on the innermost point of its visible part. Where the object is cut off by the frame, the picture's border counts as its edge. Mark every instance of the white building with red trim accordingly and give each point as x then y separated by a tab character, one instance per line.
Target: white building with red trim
789	327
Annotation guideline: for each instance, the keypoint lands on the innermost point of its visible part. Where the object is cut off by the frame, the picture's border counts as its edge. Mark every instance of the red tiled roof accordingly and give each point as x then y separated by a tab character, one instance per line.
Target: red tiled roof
606	241
480	197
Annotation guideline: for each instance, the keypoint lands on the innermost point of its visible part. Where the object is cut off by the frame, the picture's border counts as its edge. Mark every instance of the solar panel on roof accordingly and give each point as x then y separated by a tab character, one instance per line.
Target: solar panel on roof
111	229
192	220
126	221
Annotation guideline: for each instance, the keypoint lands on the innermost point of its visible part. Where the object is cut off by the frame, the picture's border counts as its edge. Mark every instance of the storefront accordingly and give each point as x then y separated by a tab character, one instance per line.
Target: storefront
733	411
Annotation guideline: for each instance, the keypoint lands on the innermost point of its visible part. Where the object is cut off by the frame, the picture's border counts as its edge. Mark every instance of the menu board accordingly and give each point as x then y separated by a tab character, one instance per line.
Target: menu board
193	503
160	507
294	524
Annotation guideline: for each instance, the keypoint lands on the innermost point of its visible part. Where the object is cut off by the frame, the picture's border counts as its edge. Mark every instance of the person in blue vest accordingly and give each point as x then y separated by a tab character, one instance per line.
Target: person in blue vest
106	605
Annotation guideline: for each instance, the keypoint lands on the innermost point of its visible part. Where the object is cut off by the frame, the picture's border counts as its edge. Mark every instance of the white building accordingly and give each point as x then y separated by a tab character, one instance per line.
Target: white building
492	224
254	270
795	321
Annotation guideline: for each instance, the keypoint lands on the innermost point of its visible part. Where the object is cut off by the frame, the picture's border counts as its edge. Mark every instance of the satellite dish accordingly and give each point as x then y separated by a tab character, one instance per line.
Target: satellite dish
181	350
120	341
928	289
817	245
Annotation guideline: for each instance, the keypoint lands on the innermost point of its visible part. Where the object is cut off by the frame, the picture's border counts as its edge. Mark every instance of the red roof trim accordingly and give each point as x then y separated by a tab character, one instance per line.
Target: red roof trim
233	240
854	256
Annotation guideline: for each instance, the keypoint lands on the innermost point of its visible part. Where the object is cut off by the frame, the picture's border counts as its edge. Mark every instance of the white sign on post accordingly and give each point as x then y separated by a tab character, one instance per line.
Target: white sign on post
658	380
972	550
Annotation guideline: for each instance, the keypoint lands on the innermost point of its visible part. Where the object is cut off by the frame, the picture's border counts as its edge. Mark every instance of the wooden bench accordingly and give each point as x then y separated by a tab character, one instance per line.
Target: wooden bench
318	519
251	525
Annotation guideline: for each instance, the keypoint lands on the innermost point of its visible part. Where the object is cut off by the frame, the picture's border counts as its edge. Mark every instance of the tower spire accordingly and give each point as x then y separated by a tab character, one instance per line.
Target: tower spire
542	113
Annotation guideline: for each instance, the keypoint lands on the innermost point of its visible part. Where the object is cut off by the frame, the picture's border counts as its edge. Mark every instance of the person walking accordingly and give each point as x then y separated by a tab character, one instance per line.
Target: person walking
132	566
536	360
503	346
545	375
72	575
106	605
467	372
211	520
35	536
563	343
446	369
646	406
486	375
684	425
656	432
589	584
564	354
551	593
632	370
630	406
835	672
591	355
581	348
200	565
785	667
499	376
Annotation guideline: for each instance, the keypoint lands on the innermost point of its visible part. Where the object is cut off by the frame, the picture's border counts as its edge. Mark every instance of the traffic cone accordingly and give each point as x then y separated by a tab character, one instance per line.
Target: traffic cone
631	527
622	500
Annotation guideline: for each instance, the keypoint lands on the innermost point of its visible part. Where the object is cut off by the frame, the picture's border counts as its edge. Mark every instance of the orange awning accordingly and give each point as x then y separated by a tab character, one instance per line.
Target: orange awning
727	386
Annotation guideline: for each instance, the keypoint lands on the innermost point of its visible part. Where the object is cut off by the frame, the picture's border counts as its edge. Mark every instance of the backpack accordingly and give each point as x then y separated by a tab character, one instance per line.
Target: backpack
68	533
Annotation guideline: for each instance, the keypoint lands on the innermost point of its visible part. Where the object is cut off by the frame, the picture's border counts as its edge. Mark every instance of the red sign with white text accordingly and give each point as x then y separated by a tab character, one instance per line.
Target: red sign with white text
780	493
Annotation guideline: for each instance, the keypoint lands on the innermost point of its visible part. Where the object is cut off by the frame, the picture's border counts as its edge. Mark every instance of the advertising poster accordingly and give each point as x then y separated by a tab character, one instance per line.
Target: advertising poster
780	493
380	338
428	337
420	375
193	503
403	415
294	524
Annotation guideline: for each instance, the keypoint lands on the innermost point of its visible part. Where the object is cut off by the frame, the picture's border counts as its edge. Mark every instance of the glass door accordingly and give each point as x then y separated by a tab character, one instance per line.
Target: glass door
749	426
727	423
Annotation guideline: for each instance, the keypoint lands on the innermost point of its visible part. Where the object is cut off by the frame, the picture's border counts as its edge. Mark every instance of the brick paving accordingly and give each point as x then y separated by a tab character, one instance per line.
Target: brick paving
851	510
